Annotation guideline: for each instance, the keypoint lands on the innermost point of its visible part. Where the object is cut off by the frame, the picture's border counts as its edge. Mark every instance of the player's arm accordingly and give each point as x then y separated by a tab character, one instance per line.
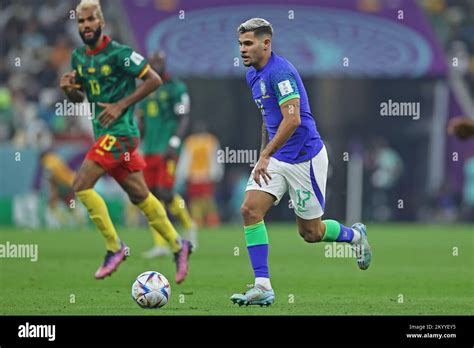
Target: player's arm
290	122
463	128
290	109
72	89
151	82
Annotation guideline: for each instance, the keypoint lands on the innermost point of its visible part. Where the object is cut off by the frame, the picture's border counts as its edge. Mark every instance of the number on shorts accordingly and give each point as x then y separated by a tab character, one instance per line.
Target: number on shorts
302	202
108	142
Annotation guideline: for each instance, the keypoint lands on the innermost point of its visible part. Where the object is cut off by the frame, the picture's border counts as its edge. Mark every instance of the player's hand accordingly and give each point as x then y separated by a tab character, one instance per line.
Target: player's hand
461	127
68	81
261	170
110	113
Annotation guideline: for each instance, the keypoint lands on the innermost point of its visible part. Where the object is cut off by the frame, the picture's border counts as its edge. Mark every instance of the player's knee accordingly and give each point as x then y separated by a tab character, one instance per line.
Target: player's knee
137	197
313	235
79	184
249	213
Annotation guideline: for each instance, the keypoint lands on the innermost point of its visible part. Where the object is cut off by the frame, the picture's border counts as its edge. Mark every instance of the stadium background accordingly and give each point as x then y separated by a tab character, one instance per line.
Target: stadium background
405	60
412	183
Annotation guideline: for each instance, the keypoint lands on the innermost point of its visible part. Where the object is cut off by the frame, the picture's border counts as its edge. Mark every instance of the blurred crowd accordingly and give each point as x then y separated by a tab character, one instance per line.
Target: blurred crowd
453	24
37	40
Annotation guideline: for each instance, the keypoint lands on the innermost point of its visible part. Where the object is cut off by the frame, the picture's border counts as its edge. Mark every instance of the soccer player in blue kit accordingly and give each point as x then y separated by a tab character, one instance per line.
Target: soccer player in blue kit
292	158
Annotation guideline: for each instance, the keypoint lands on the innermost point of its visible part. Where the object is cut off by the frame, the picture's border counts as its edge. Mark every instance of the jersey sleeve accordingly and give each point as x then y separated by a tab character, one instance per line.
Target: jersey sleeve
132	63
76	67
284	85
182	102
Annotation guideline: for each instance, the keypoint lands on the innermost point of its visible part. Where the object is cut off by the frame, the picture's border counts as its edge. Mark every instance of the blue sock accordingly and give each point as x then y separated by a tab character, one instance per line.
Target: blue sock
346	234
259	259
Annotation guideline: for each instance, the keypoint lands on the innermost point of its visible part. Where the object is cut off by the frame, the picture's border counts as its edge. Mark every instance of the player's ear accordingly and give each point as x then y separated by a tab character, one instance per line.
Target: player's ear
266	43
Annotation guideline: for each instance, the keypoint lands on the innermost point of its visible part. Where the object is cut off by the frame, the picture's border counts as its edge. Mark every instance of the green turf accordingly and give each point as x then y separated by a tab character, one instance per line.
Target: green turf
414	261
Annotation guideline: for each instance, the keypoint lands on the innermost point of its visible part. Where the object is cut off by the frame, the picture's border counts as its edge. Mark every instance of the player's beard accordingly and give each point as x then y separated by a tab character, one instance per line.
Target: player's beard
93	40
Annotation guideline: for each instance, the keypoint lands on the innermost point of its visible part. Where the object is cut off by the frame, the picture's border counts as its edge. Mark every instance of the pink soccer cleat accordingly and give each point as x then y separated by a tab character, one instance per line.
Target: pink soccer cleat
181	258
112	261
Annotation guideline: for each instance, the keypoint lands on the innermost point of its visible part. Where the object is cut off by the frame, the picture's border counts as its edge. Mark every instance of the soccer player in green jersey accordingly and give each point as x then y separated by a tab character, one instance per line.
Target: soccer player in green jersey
105	72
165	115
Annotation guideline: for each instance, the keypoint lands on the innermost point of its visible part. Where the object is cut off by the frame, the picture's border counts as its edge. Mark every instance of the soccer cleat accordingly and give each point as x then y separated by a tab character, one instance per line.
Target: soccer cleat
156	251
112	261
191	235
362	247
255	296
182	258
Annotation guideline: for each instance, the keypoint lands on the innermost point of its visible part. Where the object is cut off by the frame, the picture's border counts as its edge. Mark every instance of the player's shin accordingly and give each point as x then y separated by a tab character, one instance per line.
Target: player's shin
337	232
257	245
178	209
100	216
156	216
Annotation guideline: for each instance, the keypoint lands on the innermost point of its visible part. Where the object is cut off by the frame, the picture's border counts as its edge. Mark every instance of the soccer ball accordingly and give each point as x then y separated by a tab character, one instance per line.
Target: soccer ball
151	290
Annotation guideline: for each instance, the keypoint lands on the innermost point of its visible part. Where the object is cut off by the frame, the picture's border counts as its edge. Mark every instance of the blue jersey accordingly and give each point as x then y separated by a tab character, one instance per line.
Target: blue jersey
274	84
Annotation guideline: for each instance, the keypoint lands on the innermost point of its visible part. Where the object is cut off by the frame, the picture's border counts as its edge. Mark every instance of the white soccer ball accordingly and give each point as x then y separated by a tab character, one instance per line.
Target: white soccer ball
151	290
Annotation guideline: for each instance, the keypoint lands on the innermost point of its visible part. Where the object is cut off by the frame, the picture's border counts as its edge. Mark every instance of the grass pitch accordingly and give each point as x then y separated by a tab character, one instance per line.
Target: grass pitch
416	270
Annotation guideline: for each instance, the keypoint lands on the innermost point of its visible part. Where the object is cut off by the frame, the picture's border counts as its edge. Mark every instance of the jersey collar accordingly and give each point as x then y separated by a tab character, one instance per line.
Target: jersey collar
104	43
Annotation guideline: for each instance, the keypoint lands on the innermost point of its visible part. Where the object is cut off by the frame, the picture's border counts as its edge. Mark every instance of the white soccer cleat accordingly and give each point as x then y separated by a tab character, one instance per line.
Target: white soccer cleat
362	247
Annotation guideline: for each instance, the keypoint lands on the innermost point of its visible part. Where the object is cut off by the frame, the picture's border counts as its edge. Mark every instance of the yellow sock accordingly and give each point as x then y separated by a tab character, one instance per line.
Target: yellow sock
156	216
178	209
100	216
158	239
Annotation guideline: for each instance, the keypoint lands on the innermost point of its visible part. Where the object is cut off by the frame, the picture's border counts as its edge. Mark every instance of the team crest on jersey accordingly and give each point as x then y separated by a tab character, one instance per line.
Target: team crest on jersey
105	70
91	70
263	89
